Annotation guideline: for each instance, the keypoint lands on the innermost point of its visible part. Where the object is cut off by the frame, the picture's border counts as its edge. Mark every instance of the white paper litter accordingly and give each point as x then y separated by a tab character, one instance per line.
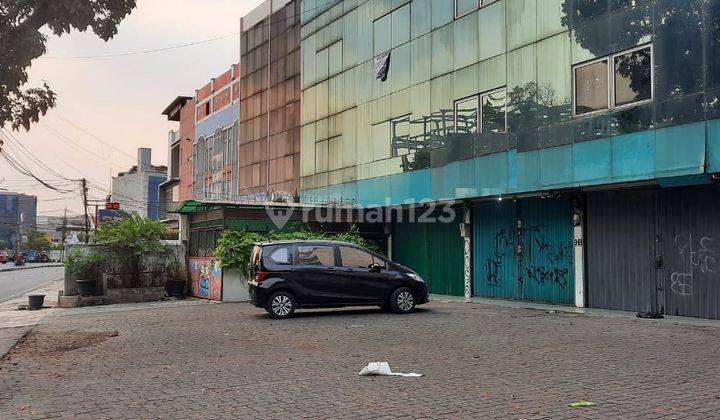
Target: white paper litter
383	369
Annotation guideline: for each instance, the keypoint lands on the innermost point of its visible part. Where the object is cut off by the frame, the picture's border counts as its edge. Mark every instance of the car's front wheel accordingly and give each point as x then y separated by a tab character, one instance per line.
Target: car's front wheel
402	301
281	305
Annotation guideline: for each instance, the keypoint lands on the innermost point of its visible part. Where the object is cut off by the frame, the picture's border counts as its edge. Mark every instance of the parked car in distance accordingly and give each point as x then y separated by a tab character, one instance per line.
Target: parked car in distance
31	256
4	257
287	275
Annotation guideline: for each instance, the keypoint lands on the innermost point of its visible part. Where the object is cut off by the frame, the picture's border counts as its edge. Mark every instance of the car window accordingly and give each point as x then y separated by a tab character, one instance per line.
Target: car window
356	258
279	255
316	255
382	263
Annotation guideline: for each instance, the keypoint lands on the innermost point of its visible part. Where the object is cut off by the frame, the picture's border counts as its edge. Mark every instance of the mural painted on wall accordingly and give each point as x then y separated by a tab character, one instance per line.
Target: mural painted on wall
206	278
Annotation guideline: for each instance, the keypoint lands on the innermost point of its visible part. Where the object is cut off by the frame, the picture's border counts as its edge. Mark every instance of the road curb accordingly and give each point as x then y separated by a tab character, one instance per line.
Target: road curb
31	267
10	338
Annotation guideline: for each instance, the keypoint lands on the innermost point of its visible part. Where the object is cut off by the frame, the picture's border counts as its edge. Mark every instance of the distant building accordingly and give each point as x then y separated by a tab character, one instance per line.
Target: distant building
17	213
137	189
181	109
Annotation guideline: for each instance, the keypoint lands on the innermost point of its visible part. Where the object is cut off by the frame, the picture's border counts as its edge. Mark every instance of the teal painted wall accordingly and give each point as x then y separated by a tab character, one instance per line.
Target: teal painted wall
649	155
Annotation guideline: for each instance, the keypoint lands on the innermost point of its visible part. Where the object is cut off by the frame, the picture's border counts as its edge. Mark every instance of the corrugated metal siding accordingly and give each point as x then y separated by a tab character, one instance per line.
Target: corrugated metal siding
445	248
626	230
544	271
690	232
620	250
494	261
410	247
435	251
547	250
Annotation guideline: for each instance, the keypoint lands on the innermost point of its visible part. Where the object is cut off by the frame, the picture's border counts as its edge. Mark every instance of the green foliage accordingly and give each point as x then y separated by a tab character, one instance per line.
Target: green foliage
128	239
37	241
21	41
3	244
83	264
234	248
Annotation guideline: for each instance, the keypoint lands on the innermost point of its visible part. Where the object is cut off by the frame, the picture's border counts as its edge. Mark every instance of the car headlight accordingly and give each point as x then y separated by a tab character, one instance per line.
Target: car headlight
416	277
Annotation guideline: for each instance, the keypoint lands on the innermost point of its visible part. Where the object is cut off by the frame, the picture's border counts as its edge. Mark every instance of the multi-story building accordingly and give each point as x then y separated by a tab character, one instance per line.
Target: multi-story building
137	190
578	140
270	101
215	154
169	191
181	109
18	212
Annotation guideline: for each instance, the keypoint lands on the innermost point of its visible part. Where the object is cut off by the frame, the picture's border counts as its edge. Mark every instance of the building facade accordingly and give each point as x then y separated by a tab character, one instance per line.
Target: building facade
137	190
182	110
270	101
18	212
579	142
215	153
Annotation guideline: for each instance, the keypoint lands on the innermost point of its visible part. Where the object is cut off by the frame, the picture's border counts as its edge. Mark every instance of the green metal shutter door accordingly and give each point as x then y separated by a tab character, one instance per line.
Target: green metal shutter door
494	261
547	239
446	258
409	245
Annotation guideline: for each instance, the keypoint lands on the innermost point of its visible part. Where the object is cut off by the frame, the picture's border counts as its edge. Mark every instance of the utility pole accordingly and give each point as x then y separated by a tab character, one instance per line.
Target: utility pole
64	228
85	204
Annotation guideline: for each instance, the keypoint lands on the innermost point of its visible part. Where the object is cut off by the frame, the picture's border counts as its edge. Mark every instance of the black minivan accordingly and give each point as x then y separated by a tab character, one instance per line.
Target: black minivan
287	275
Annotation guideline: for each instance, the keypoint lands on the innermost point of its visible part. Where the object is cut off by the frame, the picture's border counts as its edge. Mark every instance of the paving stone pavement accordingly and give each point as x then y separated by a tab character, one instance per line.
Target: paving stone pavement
479	361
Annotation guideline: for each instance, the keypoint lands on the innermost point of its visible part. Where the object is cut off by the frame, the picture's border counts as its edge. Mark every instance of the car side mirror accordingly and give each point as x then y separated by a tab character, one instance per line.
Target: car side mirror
375	268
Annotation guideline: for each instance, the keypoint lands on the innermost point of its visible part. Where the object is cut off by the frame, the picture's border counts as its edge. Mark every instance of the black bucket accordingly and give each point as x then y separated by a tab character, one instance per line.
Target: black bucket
36	302
86	287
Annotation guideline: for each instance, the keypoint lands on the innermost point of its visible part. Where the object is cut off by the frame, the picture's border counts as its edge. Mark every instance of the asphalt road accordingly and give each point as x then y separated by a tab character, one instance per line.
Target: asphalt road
16	283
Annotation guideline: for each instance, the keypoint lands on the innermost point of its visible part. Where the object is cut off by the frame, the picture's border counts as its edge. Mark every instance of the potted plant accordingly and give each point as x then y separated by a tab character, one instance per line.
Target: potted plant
84	266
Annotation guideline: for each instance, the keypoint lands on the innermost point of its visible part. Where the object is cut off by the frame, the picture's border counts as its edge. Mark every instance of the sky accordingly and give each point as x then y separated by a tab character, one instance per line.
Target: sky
109	107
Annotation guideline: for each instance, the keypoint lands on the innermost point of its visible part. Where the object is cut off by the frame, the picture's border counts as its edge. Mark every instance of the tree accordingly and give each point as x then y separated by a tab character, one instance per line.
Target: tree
675	27
21	41
3	244
37	241
128	239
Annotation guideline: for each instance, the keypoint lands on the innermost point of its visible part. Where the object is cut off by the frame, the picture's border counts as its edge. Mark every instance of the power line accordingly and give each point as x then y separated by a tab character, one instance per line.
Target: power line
142	52
89	133
190	44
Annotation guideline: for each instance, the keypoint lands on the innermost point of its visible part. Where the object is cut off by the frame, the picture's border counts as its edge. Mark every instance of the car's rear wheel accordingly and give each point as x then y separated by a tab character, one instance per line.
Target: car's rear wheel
281	305
402	301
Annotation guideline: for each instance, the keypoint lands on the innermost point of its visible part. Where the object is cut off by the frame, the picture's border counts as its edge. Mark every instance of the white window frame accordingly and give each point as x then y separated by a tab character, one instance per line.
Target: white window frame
479	97
611	82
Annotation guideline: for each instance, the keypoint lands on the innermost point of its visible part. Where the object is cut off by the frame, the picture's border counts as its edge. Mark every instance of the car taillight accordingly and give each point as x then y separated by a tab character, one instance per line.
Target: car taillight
260	276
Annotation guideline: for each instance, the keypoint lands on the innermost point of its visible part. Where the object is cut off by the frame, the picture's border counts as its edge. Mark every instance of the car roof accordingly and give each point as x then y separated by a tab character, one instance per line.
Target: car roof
305	241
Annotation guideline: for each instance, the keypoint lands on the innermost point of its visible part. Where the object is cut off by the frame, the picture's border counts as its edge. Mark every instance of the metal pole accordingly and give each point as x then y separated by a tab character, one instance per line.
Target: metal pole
85	204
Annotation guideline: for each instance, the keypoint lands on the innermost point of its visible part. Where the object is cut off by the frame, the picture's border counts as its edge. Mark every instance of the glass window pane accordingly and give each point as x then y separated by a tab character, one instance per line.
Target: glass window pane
591	87
322	64
316	255
381	34
335	58
401	25
353	257
466	115
400	132
280	256
494	105
465	6
633	80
